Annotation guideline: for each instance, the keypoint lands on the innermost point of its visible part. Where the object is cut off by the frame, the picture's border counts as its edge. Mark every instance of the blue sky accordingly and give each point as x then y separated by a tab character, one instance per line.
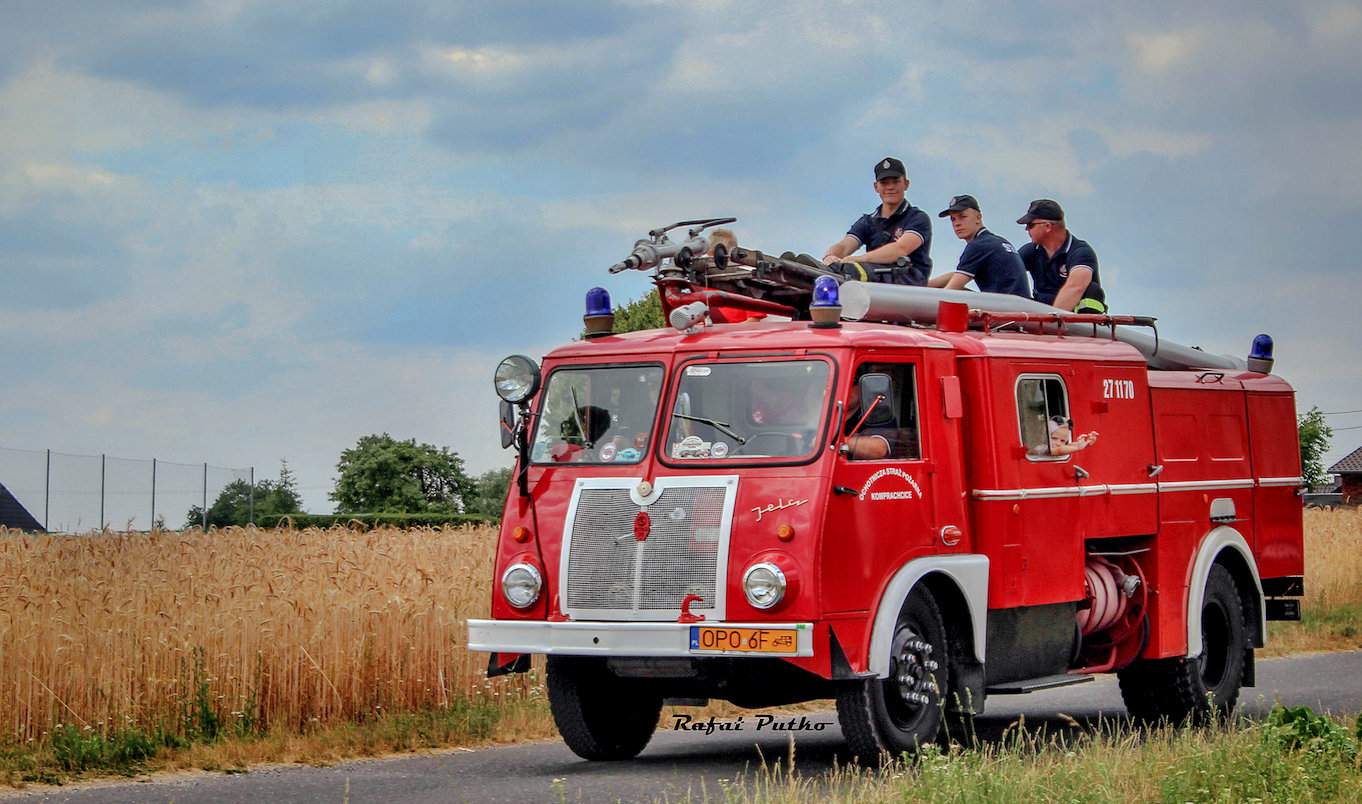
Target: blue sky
245	231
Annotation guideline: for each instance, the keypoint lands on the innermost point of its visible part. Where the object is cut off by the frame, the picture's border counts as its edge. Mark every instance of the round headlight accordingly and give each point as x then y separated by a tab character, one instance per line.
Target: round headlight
516	379
520	583
764	585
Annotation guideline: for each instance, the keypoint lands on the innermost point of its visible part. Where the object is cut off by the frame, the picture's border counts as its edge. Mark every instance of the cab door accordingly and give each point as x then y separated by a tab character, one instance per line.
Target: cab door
882	510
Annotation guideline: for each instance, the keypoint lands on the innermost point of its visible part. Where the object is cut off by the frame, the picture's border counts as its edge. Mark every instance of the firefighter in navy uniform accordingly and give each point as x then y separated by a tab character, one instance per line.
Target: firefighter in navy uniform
1063	268
892	232
988	260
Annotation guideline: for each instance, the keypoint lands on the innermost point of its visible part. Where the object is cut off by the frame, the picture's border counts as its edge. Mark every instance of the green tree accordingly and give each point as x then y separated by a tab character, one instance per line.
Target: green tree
235	505
381	474
641	313
1314	435
489	493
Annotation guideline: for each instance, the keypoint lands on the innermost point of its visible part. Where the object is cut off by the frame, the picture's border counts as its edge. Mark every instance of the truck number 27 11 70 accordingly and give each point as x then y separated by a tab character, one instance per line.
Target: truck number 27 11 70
1118	389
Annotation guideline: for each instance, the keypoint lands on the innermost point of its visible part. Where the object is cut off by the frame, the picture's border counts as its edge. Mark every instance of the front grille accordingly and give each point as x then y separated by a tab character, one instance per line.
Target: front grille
609	572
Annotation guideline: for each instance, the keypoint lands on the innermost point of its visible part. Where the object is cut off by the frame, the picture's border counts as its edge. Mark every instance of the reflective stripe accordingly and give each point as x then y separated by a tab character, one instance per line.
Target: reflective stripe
1206	485
1052	492
861	274
1090	305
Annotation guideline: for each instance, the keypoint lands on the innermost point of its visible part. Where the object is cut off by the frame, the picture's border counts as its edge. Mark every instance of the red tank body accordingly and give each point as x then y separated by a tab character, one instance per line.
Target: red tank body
959	565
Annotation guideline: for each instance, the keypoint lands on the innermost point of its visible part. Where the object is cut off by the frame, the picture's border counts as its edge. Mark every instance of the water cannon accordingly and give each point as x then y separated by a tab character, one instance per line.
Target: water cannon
1260	355
689	318
651	252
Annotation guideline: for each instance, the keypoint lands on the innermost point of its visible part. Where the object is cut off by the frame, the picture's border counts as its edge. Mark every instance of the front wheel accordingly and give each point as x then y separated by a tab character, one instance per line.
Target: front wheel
904	711
600	716
1181	688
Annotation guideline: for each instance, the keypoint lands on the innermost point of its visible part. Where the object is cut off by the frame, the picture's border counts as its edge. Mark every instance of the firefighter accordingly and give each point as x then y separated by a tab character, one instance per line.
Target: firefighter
892	231
1063	268
988	259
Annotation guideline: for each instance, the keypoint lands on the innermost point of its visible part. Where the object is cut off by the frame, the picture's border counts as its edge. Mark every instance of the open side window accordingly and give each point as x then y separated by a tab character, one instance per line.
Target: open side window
1043	416
889	430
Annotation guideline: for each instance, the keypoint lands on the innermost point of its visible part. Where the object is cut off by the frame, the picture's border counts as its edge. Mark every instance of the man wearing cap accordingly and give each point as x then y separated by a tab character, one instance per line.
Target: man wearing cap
988	259
892	231
1063	268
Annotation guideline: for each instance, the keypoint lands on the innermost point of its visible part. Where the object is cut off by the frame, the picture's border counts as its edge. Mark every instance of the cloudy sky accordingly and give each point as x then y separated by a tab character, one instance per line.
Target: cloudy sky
241	231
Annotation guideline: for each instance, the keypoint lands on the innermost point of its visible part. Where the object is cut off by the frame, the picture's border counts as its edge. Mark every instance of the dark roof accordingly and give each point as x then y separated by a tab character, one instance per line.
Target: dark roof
13	514
1352	462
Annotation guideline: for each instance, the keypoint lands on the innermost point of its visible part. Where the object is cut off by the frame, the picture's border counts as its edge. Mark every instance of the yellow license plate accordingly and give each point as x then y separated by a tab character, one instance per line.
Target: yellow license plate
718	639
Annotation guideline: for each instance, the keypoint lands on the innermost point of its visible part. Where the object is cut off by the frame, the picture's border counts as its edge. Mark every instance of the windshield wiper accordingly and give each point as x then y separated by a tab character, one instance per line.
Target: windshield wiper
722	427
578	416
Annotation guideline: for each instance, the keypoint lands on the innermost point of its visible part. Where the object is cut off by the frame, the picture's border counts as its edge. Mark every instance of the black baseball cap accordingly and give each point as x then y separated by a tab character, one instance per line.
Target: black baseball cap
1043	209
960	203
889	166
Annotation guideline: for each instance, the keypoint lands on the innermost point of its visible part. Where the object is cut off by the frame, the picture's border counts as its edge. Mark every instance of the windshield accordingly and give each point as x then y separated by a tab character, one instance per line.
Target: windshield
748	410
597	415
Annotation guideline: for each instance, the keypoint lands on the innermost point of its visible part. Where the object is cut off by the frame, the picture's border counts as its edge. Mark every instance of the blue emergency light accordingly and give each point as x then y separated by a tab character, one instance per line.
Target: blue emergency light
600	317
826	307
598	301
826	292
1260	356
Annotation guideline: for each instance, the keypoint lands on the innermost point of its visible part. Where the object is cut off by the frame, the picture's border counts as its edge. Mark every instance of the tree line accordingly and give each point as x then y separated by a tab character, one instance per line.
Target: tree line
378	475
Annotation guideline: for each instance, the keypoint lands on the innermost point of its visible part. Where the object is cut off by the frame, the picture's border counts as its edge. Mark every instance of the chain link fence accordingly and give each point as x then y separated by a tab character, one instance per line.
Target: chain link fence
69	493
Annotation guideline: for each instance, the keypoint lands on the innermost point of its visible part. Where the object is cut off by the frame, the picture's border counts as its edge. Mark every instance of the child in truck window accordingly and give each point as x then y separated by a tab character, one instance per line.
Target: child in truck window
1062	441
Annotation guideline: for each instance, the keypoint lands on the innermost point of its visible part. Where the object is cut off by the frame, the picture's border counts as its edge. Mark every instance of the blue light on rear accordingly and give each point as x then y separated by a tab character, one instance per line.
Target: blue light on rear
826	292
598	301
1262	347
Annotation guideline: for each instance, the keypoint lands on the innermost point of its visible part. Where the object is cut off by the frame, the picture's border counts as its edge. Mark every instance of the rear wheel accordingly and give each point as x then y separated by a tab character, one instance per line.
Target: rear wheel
904	711
600	716
1181	688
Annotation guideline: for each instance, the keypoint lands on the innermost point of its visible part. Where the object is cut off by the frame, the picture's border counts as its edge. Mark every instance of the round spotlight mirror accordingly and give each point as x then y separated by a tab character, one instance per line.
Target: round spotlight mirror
517	379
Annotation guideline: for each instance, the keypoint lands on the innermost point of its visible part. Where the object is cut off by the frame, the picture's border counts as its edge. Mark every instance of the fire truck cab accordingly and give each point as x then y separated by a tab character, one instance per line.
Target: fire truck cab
907	519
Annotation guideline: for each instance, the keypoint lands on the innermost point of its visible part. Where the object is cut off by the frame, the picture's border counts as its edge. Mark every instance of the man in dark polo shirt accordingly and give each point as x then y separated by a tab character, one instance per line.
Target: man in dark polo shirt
1063	268
988	259
893	231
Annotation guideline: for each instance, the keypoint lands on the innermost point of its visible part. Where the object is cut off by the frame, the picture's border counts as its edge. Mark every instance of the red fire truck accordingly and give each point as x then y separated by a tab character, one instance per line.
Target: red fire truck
955	495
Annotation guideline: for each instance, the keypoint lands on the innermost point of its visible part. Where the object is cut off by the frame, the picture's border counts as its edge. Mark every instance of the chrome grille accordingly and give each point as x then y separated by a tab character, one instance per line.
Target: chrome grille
609	571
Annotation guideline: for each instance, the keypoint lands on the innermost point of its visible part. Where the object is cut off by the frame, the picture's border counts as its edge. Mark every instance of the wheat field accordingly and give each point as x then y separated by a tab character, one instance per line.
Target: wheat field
284	629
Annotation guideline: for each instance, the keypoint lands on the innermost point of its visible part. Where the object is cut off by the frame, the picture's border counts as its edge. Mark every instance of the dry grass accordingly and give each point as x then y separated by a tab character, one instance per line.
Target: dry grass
286	628
300	635
1332	608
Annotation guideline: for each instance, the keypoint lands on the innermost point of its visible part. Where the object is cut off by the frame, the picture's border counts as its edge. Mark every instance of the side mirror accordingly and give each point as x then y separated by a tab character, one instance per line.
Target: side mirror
507	424
875	386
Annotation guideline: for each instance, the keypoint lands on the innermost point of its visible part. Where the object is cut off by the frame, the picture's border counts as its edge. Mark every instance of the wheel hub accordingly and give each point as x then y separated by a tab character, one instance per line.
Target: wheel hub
913	671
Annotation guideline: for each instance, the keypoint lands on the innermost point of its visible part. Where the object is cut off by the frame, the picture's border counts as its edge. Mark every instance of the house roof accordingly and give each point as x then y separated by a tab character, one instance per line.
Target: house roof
1352	462
13	514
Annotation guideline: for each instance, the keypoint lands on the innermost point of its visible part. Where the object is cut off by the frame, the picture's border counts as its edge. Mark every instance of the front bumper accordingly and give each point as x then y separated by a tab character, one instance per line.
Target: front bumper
614	639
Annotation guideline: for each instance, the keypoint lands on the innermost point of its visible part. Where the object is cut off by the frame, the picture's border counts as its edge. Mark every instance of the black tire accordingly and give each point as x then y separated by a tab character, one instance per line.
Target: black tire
877	714
1192	689
600	716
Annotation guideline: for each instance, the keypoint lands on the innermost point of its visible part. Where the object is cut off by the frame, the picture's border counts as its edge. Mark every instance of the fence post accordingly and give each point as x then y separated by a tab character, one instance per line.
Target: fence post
205	496
152	526
47	493
101	492
250	507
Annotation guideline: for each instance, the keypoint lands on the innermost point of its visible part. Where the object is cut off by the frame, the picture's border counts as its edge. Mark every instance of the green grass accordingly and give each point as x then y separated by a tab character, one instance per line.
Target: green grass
69	753
1294	755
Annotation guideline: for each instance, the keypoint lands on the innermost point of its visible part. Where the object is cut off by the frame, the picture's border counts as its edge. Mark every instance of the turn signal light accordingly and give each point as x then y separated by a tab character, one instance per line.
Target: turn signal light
521	534
785	532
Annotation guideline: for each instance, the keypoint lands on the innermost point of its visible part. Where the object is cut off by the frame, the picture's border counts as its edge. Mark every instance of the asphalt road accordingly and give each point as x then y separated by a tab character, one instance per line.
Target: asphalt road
676	761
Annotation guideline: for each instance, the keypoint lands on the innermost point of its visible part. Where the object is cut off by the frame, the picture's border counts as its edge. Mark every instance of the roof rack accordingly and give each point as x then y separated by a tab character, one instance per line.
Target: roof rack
747	281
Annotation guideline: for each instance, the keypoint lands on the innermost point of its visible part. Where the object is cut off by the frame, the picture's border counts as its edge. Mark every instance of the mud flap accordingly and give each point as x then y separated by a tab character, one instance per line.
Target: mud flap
500	664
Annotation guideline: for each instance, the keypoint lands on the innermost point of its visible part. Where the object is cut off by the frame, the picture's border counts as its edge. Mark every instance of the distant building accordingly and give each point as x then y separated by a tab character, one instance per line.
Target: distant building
13	514
1349	471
